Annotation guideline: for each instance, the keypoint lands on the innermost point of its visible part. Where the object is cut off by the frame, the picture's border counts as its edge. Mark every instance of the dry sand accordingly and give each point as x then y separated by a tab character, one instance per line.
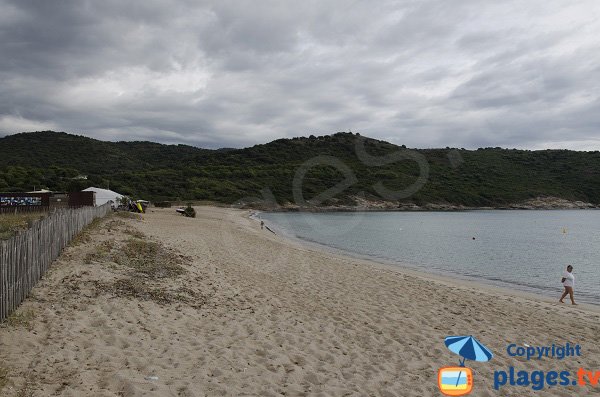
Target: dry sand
255	314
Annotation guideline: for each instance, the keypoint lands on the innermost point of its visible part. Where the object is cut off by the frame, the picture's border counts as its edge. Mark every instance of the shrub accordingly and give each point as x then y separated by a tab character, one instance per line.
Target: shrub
190	212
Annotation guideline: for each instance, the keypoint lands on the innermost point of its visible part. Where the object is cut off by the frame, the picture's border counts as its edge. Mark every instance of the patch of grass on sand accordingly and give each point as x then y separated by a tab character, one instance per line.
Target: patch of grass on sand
114	224
134	233
3	377
84	237
150	258
135	288
21	318
10	224
139	289
128	215
101	252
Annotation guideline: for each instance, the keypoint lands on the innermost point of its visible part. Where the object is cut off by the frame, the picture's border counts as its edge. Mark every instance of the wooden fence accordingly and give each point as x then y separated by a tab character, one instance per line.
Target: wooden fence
25	258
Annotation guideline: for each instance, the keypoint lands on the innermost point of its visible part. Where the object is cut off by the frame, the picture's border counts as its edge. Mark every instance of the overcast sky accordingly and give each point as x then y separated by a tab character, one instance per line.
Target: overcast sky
220	73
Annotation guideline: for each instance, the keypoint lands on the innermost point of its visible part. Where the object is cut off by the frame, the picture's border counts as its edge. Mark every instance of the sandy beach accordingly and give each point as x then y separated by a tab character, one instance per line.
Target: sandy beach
250	313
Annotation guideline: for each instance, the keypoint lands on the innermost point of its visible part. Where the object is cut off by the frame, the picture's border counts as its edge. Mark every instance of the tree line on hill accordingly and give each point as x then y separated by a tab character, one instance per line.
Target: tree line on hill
358	165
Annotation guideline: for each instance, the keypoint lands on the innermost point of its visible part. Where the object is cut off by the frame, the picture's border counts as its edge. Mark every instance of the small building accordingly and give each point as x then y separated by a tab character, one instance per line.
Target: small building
44	200
104	195
25	201
82	199
59	200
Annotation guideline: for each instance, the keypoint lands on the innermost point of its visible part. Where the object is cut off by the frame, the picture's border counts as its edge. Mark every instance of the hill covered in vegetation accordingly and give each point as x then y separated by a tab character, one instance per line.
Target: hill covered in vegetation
332	169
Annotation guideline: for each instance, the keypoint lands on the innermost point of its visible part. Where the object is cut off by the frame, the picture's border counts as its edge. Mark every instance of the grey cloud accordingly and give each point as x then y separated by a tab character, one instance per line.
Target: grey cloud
234	73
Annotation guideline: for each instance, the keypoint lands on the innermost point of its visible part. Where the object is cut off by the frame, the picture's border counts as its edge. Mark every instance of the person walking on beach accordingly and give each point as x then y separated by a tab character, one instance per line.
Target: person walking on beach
568	280
262	224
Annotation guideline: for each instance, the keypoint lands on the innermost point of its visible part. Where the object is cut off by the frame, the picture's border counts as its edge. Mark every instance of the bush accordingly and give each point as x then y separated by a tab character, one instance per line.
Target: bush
190	212
10	224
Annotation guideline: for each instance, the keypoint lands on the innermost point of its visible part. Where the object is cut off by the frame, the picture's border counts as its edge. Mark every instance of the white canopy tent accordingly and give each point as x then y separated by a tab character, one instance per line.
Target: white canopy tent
105	195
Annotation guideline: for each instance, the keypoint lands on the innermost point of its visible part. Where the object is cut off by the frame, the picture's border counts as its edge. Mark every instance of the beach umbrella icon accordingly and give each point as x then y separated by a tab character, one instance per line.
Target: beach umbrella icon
458	381
468	348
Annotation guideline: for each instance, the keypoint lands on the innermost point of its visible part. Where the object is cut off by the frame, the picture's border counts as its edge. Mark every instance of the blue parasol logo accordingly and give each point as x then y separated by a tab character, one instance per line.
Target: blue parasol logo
468	348
458	381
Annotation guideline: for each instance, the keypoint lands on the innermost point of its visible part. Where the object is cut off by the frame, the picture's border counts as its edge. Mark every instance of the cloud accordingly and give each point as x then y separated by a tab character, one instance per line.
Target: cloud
231	73
8	123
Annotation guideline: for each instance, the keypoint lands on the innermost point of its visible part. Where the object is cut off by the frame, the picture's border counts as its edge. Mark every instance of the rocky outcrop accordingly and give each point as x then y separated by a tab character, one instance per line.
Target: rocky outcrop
364	204
551	203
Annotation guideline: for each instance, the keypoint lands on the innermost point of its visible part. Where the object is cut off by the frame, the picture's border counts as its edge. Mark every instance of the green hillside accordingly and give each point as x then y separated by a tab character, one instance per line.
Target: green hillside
483	177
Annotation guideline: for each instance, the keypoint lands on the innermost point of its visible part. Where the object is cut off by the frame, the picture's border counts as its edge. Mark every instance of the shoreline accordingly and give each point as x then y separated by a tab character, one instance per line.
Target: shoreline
454	280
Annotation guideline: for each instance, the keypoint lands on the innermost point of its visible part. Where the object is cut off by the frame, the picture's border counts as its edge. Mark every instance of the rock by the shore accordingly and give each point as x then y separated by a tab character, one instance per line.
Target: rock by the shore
364	204
551	203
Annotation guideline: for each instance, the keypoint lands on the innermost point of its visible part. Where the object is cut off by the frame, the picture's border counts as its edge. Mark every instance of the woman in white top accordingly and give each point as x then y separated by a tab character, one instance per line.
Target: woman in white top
568	280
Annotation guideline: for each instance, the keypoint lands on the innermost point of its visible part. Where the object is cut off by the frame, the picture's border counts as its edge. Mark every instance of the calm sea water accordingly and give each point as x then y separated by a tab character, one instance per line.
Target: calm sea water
525	250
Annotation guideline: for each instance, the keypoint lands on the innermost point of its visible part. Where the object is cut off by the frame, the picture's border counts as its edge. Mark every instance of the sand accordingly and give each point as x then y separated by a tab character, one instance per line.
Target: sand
256	314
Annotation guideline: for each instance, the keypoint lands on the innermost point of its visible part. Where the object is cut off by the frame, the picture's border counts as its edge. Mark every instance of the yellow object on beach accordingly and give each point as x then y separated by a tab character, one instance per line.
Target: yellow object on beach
139	207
